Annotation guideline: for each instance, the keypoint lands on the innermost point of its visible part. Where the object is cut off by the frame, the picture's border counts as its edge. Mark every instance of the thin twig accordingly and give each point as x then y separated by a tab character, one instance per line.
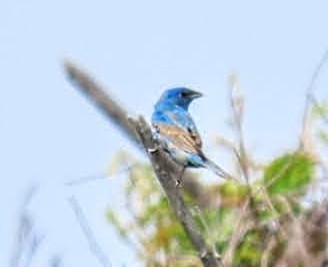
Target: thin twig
86	179
27	240
237	106
310	96
209	231
242	225
89	235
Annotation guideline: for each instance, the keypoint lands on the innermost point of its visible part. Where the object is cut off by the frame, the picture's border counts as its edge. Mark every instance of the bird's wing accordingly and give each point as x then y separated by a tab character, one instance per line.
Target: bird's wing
183	118
179	128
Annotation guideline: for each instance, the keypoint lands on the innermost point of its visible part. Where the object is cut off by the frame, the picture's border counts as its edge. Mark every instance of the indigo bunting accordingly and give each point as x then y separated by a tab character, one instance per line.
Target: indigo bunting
178	133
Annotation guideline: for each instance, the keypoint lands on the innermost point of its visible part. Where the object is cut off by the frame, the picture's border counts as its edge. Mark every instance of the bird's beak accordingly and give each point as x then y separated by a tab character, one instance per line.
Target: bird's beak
194	94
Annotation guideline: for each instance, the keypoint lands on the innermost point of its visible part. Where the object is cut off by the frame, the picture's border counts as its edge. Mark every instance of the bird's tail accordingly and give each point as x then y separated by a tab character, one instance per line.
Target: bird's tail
217	170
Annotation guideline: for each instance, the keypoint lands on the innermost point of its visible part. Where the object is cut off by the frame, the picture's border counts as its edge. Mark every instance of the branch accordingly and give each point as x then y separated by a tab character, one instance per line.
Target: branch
161	164
119	116
165	169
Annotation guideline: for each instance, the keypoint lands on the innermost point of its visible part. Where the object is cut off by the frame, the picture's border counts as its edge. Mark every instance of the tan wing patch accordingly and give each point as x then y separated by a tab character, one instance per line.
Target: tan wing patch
181	138
194	134
196	137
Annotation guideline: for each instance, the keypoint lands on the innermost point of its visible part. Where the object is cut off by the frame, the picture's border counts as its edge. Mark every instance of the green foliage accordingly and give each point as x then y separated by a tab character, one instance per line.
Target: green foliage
160	240
320	109
289	174
232	193
151	220
249	251
320	116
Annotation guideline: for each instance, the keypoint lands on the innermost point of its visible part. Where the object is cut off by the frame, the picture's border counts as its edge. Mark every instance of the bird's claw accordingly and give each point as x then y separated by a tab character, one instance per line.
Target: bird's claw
178	183
153	149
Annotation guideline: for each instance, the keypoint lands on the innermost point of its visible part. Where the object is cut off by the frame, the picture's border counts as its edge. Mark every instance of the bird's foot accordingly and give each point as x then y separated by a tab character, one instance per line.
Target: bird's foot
153	149
178	183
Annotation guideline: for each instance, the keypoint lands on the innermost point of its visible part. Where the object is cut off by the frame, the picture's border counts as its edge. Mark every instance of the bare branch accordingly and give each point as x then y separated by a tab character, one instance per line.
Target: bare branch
103	100
161	165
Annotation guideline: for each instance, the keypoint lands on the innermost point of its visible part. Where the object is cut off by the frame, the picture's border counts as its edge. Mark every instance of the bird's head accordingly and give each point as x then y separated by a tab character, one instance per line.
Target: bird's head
180	96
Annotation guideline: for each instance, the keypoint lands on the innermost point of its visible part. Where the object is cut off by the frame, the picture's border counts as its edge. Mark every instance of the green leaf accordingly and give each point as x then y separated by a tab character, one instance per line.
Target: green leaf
249	252
232	193
320	109
116	223
289	174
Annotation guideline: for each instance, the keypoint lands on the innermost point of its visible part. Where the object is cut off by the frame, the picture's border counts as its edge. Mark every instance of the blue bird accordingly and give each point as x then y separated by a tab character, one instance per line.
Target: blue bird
178	133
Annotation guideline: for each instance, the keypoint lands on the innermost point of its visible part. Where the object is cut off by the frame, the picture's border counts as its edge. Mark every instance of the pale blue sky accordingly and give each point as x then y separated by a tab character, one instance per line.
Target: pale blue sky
50	134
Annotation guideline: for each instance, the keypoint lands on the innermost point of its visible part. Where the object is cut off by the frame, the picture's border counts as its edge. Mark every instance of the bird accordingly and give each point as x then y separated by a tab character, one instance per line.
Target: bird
177	132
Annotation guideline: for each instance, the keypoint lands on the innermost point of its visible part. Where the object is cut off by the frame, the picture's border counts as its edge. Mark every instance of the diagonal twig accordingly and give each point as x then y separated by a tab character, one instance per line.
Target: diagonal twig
87	232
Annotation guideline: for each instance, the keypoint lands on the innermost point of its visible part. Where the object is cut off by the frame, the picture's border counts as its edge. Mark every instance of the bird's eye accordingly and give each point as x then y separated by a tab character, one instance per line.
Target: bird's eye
183	94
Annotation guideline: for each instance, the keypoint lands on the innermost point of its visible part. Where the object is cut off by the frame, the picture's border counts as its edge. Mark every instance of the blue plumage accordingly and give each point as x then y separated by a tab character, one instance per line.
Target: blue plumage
177	130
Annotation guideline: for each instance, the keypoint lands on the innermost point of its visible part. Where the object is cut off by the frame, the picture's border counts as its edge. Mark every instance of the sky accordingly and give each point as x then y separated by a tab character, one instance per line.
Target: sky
50	134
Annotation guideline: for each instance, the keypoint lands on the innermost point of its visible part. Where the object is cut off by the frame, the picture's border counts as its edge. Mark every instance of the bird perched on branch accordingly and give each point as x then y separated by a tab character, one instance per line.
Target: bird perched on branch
178	133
